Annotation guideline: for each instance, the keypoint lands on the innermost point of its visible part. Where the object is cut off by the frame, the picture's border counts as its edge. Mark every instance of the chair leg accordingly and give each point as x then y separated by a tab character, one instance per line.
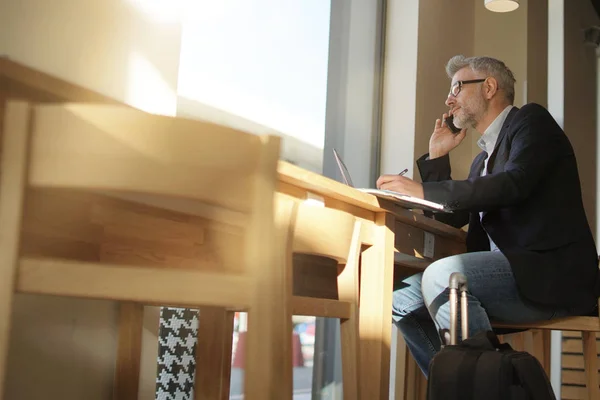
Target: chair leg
348	290
528	341
518	341
411	389
286	213
287	384
349	339
375	336
12	192
421	387
590	362
263	373
213	354
269	316
402	355
546	334
129	352
537	338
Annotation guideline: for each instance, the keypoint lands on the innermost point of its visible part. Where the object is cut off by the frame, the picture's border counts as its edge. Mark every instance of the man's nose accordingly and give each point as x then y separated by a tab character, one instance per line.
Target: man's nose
450	100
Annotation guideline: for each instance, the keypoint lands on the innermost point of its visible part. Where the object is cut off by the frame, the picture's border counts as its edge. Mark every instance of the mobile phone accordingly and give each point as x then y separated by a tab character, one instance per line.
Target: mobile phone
450	122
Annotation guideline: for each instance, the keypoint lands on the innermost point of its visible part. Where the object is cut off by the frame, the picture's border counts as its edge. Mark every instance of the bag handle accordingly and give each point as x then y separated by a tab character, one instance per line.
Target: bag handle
458	282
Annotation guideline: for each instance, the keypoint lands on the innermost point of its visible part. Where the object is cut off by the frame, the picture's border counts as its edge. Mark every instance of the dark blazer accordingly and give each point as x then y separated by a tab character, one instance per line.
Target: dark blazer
532	209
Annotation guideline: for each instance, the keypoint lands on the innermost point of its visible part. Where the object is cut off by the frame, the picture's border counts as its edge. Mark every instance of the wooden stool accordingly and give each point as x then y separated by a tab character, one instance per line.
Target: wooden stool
588	326
196	173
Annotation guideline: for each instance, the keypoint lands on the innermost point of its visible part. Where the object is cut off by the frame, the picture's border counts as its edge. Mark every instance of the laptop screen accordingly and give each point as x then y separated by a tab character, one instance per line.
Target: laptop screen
343	169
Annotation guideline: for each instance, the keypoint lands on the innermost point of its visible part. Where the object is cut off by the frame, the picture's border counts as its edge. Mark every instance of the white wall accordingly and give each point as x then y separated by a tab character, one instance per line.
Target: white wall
400	87
121	48
556	106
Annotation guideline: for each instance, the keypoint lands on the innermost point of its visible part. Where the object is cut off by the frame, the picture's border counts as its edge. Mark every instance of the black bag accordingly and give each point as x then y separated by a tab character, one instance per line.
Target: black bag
480	367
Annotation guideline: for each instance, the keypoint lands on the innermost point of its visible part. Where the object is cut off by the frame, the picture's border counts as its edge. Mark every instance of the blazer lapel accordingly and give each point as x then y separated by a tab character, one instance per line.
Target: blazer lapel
501	136
477	166
476	169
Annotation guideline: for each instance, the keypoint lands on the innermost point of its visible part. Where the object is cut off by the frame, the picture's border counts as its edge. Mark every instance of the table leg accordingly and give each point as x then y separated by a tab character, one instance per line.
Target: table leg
375	321
401	358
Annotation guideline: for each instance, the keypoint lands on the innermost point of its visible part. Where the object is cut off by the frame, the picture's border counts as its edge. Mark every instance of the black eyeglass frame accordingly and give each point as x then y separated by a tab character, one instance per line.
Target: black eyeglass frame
460	84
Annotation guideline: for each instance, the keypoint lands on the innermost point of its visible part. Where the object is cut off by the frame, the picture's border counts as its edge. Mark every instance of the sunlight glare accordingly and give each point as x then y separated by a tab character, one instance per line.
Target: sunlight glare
147	89
162	11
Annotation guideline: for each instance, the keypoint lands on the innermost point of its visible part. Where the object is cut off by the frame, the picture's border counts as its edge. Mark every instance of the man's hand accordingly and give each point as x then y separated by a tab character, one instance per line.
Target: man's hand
400	184
443	140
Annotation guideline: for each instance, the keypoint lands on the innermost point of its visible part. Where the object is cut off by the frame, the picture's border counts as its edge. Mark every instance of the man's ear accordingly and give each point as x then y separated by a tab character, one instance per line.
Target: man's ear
490	87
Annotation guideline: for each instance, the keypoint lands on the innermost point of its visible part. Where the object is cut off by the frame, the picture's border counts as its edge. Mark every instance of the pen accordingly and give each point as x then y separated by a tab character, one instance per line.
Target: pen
403	172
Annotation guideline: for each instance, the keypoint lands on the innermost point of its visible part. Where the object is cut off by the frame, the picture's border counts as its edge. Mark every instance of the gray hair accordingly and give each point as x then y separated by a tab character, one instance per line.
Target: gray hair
488	66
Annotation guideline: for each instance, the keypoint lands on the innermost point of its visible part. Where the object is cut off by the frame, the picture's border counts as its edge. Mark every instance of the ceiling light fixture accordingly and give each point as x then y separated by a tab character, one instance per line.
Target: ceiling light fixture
501	5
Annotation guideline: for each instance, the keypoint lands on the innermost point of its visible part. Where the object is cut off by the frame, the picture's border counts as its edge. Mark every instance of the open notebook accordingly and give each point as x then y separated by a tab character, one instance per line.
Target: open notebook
403	200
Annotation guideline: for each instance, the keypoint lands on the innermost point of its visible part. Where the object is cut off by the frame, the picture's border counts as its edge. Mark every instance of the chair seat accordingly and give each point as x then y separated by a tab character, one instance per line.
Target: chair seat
584	324
321	307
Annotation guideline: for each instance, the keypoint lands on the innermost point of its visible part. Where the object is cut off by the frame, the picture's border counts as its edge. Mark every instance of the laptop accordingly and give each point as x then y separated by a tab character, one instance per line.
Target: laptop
343	169
401	199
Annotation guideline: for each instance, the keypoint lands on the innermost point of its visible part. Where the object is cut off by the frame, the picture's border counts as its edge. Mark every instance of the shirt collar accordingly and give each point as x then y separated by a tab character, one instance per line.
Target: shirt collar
487	141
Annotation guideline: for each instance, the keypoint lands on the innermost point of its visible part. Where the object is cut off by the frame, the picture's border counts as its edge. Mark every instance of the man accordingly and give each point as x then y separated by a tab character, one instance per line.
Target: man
531	254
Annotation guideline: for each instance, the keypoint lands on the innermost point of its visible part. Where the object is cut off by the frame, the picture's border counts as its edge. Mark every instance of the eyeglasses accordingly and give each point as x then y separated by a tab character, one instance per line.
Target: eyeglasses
457	87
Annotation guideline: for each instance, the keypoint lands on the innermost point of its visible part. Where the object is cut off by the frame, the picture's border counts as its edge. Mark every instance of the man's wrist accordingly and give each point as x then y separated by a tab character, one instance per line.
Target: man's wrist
433	155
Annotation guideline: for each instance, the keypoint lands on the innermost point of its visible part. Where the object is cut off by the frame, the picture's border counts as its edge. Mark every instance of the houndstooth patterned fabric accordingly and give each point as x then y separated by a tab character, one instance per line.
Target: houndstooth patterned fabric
177	337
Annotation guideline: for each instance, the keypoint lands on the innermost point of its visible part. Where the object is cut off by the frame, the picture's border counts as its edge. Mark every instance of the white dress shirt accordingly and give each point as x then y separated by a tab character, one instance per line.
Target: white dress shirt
487	142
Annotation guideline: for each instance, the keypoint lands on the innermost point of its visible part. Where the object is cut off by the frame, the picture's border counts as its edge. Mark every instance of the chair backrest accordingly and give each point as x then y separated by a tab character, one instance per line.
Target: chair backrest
116	148
323	232
309	230
103	148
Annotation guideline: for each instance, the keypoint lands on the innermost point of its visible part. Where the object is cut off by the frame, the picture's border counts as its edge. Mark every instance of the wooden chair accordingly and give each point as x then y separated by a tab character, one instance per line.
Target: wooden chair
309	233
192	168
588	326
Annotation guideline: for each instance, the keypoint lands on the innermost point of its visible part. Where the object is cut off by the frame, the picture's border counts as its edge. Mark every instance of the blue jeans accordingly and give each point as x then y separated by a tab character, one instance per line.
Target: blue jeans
421	309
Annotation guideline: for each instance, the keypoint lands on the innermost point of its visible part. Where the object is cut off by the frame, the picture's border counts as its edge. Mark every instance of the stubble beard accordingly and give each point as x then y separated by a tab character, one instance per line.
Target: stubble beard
471	114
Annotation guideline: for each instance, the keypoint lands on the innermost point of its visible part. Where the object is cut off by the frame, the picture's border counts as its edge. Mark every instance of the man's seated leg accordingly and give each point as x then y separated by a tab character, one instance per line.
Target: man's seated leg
412	318
492	292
